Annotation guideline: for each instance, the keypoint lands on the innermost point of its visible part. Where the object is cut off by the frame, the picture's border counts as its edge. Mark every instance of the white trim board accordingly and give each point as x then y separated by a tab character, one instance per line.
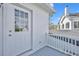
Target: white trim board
1	45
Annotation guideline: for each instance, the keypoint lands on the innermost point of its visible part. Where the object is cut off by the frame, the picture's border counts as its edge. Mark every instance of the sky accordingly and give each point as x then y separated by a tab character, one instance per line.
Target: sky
59	7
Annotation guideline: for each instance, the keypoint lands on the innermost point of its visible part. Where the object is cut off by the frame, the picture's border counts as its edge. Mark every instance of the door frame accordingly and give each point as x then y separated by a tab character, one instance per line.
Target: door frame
31	11
1	26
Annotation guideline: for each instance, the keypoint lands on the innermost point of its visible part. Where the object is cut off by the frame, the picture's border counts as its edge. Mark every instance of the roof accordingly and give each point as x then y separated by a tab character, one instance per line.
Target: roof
63	17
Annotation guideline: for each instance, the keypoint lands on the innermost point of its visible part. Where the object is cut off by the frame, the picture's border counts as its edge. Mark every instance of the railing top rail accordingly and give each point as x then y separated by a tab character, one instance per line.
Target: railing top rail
64	35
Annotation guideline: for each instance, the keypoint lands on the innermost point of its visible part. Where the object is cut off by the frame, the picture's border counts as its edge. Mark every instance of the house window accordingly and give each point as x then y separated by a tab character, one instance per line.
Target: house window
21	20
76	24
67	25
62	26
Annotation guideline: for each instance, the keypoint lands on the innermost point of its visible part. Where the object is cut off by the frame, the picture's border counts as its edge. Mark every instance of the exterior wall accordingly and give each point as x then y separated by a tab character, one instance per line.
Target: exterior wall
64	22
40	25
71	20
74	19
40	21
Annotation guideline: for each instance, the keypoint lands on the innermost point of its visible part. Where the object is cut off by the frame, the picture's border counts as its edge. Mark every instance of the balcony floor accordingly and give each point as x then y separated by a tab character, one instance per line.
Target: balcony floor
47	51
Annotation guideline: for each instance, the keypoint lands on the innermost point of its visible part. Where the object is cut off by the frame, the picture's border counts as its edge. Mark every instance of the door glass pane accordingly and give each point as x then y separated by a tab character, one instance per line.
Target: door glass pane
21	14
21	21
16	12
26	15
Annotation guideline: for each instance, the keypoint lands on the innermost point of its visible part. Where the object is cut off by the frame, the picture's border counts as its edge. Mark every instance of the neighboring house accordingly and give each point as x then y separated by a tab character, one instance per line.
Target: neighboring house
69	21
23	27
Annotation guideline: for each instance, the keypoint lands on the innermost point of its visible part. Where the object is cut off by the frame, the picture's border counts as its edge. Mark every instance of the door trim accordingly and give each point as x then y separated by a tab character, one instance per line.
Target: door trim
1	6
2	32
24	7
31	11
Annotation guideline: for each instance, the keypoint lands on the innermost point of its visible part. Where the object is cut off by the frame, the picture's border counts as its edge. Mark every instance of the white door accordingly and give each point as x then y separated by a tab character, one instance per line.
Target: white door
0	29
17	30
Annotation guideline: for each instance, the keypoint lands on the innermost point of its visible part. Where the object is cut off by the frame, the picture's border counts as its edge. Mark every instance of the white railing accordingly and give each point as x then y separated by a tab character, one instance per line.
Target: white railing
65	44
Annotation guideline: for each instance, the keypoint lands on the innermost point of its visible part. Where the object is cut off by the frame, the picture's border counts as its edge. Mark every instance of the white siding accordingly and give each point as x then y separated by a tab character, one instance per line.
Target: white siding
64	22
40	28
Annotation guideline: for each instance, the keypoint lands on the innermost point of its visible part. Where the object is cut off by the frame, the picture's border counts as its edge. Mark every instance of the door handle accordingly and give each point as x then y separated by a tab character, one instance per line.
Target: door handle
10	34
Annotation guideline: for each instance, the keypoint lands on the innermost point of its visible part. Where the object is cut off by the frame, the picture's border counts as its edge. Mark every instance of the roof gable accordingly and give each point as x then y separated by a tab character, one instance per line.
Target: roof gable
71	17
